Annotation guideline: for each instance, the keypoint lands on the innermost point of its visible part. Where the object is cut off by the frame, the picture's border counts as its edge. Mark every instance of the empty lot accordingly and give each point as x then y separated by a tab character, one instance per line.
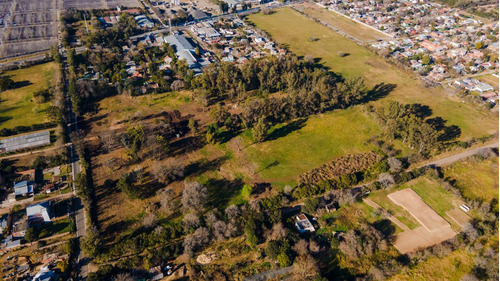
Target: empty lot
434	228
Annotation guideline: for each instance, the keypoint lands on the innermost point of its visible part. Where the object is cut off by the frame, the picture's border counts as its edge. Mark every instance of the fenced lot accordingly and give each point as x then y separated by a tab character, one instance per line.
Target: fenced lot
27	26
99	4
434	228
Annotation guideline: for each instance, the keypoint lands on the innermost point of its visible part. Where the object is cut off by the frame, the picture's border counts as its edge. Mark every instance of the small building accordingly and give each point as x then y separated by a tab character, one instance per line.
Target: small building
45	274
303	224
24	188
38	213
483	87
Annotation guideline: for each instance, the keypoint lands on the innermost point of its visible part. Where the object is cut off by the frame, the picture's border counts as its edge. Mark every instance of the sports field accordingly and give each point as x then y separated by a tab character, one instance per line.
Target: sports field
434	228
294	31
17	106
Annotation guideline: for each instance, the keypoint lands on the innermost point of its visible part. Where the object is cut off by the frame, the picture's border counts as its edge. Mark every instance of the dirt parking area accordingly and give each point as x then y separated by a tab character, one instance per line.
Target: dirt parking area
434	228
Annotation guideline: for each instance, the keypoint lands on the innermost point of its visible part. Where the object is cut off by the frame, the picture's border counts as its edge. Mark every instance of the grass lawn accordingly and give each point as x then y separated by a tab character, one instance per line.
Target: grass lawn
17	106
433	194
55	227
451	267
380	197
477	179
311	144
346	25
294	31
124	107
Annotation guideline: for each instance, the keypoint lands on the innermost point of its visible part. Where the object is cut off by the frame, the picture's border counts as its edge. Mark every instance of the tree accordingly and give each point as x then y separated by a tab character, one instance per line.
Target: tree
177	85
126	185
260	129
54	114
310	205
395	164
246	191
124	277
194	197
250	233
32	234
305	268
272	249
284	259
168	172
40	163
166	200
223	6
190	222
479	45
5	83
92	243
278	232
426	60
193	126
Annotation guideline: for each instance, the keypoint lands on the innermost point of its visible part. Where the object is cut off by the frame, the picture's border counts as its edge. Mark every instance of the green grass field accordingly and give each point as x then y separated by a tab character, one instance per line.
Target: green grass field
17	107
451	267
433	194
478	179
380	197
321	139
294	31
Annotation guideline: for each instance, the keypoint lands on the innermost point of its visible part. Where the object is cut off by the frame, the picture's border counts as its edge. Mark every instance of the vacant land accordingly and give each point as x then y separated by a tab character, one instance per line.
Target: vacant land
294	31
346	25
297	147
434	228
476	179
433	194
17	106
452	267
411	201
380	197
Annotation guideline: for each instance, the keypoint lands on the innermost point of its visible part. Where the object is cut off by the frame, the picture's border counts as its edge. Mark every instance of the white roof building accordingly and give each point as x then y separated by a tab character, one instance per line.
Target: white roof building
38	213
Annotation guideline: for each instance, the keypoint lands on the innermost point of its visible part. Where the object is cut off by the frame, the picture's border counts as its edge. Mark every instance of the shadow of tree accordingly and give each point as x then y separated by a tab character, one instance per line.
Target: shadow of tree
20	84
221	191
379	91
385	227
201	166
287	129
448	133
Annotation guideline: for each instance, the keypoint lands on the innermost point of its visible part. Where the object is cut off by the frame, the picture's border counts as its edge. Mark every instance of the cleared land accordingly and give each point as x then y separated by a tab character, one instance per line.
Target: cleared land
346	25
17	106
295	30
434	228
29	26
380	198
477	179
409	199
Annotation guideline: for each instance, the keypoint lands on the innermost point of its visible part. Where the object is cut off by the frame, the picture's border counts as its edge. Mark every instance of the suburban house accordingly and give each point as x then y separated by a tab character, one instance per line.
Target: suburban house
303	224
38	213
45	274
24	188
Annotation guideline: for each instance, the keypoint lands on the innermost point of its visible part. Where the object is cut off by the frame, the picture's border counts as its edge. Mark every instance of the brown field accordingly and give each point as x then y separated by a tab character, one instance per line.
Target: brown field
434	228
346	25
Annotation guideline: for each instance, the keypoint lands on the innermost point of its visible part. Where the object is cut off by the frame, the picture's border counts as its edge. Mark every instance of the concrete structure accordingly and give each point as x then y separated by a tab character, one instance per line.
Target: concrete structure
38	213
184	49
303	224
143	21
25	141
23	188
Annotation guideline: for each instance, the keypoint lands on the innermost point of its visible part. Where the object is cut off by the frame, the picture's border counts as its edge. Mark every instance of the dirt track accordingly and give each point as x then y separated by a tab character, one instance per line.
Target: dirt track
425	215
